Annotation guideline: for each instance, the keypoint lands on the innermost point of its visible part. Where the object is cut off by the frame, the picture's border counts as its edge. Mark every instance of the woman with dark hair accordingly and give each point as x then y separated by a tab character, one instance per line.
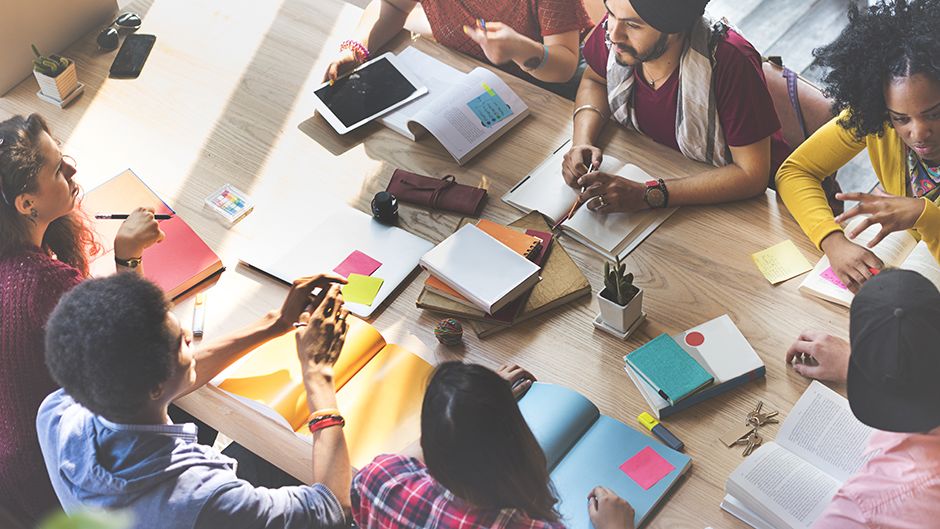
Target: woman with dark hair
479	466
45	247
885	81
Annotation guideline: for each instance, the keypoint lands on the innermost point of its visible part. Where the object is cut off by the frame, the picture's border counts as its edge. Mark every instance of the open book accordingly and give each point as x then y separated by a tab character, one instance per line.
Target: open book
465	112
380	388
898	250
585	449
720	348
612	234
789	482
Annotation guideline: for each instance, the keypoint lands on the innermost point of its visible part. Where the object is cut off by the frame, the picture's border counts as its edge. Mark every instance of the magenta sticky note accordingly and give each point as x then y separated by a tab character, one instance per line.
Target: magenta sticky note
647	467
357	263
831	277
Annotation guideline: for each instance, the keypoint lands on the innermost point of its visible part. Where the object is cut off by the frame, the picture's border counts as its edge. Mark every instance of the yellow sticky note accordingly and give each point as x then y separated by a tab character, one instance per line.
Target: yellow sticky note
781	262
488	89
361	289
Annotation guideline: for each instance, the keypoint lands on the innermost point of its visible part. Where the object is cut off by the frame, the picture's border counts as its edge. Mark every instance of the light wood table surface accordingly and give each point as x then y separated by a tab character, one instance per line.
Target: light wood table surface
226	97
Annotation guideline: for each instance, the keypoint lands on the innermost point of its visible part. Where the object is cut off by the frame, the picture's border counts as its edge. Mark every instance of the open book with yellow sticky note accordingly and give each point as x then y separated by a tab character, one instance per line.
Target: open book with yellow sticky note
465	112
379	386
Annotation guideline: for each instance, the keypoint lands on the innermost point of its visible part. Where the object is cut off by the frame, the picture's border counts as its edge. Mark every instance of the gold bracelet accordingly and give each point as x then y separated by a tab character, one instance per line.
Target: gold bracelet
322	413
586	107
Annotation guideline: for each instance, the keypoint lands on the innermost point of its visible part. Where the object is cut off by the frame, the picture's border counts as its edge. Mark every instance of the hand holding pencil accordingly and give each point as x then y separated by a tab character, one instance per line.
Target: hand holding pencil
139	232
577	203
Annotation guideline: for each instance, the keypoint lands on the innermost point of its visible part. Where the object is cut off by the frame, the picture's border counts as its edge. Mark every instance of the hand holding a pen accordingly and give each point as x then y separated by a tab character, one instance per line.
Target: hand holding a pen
500	43
609	511
578	160
609	193
137	233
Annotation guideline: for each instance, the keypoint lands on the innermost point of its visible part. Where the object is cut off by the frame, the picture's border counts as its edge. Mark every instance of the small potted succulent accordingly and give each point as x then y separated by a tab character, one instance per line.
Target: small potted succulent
621	302
55	74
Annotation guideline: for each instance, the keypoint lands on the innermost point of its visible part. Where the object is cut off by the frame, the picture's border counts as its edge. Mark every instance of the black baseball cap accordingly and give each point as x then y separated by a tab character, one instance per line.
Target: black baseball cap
894	370
669	16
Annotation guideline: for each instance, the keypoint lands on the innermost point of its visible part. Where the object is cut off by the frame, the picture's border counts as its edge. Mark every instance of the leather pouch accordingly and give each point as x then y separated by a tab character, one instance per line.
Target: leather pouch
440	194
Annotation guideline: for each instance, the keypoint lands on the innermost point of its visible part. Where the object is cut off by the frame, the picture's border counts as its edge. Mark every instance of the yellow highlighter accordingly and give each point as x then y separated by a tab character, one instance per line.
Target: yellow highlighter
660	431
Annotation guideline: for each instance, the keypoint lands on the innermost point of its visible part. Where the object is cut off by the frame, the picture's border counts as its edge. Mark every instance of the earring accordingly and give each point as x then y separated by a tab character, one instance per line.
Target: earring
33	213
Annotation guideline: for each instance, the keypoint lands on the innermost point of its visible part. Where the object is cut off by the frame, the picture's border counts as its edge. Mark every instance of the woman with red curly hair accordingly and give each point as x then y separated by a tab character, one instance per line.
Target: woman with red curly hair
45	248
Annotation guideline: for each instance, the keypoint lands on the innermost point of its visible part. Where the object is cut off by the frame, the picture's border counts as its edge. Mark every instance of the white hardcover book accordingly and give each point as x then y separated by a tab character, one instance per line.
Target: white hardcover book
612	234
482	269
720	348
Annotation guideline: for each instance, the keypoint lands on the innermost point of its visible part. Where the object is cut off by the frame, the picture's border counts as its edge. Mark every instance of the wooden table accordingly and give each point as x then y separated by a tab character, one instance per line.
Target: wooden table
227	98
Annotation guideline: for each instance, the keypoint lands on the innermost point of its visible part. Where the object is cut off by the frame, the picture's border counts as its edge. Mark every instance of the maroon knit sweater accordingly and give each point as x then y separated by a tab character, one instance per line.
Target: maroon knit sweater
31	283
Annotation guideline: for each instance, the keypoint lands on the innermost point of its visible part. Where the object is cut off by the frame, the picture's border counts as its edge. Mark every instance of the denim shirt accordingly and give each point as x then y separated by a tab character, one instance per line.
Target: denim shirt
163	477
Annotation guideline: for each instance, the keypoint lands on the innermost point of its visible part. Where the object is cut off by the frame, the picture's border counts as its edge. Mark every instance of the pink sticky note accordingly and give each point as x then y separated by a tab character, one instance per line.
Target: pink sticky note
357	263
831	277
647	467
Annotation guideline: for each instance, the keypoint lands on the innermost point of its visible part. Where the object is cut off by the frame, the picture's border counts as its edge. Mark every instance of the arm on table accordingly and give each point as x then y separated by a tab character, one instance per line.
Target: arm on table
381	20
588	124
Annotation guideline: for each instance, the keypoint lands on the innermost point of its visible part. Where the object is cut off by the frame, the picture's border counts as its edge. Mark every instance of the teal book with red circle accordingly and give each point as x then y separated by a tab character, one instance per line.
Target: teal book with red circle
668	369
719	347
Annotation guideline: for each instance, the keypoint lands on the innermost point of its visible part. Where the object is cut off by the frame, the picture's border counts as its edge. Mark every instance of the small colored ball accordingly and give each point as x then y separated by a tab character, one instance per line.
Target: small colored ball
449	332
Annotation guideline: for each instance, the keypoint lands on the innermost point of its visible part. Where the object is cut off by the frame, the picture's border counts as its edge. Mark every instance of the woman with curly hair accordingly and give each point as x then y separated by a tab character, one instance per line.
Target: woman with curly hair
45	247
885	83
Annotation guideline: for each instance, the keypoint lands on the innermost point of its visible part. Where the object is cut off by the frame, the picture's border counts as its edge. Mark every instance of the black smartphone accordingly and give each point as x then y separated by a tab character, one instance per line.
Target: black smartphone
131	57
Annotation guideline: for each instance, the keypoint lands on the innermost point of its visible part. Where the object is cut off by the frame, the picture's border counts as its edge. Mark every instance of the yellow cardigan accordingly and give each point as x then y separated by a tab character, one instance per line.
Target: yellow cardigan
799	180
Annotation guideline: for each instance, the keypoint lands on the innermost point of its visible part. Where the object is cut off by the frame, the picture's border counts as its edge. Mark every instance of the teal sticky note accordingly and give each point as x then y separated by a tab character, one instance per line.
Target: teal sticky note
489	108
361	289
668	369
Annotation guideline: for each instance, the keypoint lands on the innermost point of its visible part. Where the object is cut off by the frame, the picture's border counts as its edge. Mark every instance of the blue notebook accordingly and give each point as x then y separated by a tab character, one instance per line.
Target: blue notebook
585	449
668	369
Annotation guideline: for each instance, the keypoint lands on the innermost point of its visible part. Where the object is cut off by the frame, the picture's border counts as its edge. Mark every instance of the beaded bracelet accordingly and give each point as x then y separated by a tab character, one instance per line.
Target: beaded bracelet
325	422
359	49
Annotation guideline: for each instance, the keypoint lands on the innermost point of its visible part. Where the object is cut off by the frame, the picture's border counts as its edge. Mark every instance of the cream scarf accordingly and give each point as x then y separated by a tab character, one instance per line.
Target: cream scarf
698	130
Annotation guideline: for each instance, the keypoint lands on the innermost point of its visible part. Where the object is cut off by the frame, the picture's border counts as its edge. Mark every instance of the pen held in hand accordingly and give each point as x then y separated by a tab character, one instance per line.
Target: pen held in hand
123	216
576	205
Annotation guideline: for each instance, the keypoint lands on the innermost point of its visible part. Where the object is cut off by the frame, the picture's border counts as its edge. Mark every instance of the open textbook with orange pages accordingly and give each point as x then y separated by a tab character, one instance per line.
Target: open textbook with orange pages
380	388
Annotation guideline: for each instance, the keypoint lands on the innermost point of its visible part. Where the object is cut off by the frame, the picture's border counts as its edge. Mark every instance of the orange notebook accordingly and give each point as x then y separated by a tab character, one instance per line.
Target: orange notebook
177	264
518	241
379	386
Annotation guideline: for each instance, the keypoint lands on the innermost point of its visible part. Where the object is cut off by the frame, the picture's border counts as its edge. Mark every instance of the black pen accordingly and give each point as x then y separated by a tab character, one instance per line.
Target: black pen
122	216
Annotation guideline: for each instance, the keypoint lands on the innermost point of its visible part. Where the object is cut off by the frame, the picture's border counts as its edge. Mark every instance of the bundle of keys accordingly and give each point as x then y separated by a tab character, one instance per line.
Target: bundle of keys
747	435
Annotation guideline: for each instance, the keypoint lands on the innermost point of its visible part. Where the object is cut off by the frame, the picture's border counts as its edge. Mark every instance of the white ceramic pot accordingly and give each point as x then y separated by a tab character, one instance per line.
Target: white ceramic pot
60	86
617	316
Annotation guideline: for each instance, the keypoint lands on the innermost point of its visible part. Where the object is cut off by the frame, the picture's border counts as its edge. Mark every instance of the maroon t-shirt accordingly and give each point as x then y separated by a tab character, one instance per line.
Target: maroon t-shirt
745	109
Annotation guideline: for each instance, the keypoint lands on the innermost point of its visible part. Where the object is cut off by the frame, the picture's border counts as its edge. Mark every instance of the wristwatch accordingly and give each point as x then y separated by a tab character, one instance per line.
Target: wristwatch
656	195
133	262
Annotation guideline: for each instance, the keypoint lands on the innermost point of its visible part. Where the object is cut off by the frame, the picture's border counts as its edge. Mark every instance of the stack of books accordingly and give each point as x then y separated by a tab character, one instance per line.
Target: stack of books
463	271
675	373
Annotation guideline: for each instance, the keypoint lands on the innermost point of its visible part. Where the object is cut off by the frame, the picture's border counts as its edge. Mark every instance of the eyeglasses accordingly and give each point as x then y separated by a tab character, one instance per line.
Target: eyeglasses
67	166
109	39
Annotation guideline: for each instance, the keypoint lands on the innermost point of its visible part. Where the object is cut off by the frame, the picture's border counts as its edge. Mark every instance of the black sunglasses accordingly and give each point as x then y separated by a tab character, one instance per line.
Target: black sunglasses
108	39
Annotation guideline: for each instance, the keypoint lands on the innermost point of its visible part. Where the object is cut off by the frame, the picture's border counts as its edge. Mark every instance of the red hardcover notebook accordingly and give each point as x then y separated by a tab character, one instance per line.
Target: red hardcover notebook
177	264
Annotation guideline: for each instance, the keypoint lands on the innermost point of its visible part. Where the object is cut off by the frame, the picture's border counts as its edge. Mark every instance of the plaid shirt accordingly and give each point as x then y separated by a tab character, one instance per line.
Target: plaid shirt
397	492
